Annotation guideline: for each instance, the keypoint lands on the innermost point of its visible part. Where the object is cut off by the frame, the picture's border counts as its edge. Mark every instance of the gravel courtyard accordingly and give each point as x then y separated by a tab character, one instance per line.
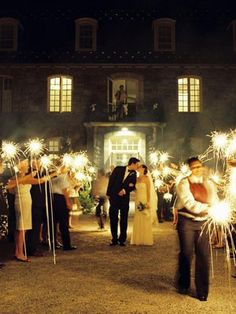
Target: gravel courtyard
97	278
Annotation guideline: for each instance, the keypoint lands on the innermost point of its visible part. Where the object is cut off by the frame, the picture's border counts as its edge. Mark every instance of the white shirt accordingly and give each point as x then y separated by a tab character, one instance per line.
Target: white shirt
126	173
186	200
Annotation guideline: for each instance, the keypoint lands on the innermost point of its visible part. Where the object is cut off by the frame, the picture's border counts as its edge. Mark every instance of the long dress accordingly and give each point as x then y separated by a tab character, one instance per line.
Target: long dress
142	225
23	207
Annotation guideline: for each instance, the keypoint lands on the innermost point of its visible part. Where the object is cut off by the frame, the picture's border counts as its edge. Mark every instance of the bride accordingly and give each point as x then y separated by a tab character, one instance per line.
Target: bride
145	203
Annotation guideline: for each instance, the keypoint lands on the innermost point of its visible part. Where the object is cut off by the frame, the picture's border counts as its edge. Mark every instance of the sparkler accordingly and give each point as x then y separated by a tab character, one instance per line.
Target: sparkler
156	173
163	157
231	148
220	214
158	157
34	147
158	183
166	171
80	161
219	142
67	160
80	176
46	161
153	158
10	151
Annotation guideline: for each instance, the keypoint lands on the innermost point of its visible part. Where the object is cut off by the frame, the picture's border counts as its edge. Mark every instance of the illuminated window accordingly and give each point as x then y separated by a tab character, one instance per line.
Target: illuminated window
164	34
86	34
8	34
189	94
53	145
60	94
5	94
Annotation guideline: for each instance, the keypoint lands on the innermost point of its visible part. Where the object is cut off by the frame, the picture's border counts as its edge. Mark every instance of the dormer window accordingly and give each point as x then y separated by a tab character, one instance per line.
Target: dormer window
86	34
8	34
164	34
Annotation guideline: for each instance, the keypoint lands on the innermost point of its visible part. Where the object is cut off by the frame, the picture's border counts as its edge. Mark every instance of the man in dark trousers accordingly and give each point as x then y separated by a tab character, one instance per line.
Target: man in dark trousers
61	206
38	211
195	194
122	181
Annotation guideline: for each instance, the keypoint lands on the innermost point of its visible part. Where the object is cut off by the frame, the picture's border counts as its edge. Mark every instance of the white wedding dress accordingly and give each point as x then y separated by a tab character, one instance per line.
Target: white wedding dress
142	225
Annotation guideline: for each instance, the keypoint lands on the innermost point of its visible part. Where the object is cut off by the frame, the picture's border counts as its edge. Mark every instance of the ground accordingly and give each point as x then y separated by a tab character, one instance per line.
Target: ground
97	278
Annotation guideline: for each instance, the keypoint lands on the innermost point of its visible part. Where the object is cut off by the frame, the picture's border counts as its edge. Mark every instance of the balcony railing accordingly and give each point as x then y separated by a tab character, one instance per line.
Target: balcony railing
130	112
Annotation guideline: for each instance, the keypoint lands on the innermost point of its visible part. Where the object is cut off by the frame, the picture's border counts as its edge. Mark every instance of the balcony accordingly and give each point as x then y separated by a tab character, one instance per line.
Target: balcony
130	113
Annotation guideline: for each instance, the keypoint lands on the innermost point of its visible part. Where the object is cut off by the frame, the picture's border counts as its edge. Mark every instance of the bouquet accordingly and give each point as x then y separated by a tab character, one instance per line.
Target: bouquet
141	206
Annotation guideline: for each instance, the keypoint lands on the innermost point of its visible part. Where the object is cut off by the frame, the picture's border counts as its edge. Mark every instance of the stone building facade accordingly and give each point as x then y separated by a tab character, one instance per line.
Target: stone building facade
60	70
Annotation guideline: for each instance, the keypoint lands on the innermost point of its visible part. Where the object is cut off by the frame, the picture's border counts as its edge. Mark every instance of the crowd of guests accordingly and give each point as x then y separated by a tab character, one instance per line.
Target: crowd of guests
39	206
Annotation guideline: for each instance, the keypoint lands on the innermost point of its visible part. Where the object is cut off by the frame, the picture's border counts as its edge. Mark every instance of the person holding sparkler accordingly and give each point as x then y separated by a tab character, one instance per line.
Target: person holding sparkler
61	206
39	199
23	203
195	195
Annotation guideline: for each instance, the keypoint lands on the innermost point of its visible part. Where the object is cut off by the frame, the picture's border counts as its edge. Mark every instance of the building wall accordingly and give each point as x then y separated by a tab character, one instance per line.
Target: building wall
30	117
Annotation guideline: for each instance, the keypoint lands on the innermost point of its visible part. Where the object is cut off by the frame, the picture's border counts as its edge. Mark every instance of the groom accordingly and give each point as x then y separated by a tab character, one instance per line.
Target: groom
122	181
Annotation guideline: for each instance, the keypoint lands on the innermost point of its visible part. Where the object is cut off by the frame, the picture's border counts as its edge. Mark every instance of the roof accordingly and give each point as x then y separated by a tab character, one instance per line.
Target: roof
125	35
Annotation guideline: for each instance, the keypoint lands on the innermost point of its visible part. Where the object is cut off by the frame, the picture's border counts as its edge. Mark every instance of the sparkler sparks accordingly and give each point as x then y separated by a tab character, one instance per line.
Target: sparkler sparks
46	161
158	157
67	160
219	141
10	151
153	158
163	157
34	147
80	161
220	213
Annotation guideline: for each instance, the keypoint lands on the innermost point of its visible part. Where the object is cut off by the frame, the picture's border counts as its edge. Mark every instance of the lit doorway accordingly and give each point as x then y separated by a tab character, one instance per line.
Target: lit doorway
121	145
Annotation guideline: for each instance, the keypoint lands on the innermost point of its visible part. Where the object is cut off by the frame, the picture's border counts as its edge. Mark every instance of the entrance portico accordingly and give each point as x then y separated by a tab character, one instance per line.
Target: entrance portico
113	143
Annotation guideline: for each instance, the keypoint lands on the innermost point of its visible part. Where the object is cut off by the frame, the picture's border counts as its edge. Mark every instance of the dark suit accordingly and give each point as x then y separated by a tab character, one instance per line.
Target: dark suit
120	203
38	214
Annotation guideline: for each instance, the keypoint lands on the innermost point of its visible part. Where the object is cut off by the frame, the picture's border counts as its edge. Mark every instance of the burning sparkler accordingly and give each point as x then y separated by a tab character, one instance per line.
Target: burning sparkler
220	214
46	161
10	151
34	147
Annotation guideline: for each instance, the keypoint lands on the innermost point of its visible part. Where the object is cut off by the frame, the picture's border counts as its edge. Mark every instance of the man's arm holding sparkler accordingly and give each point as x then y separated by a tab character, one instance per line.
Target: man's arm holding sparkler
12	182
29	179
32	180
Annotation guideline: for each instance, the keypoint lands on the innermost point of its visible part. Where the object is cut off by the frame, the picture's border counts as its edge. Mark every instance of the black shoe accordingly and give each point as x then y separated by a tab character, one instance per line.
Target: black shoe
234	276
122	244
113	243
2	265
202	298
183	290
70	248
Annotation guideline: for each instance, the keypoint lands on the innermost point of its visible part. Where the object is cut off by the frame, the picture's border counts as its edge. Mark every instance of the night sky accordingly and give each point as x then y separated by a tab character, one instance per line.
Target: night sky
121	4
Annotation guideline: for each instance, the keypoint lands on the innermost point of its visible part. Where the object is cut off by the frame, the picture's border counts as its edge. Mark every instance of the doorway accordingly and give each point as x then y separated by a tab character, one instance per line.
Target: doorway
119	146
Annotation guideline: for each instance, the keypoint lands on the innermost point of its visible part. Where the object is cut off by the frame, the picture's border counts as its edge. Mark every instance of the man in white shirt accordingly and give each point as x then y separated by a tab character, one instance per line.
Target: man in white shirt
195	194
